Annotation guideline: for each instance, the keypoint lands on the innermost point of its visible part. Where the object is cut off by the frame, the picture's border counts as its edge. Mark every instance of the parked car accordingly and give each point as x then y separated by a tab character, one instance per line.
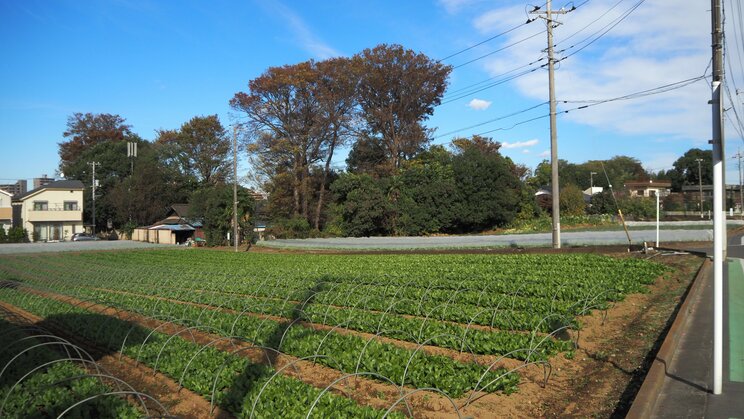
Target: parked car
81	237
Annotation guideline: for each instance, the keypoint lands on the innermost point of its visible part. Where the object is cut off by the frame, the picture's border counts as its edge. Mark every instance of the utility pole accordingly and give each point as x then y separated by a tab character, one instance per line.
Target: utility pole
131	153
591	182
719	217
741	193
700	185
550	24
235	186
93	164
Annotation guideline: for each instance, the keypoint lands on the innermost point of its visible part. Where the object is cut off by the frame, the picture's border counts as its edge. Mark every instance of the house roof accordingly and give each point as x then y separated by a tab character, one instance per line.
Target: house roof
66	184
182	210
173	227
648	183
4	192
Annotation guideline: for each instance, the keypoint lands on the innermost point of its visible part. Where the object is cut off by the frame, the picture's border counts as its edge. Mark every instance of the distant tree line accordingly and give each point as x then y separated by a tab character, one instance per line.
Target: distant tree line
295	119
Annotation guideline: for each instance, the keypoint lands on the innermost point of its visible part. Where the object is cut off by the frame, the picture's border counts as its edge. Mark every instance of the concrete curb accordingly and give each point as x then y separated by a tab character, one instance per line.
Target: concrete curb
645	400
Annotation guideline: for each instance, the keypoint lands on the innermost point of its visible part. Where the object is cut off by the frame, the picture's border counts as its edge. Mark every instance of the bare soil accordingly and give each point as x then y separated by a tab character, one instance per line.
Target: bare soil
601	380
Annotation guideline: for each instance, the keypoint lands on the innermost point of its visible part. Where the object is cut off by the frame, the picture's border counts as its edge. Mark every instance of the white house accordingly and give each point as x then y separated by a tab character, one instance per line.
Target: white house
51	212
6	212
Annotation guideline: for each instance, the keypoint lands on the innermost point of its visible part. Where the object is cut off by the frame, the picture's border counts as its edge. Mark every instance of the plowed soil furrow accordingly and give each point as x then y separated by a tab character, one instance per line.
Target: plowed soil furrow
364	391
464	356
180	402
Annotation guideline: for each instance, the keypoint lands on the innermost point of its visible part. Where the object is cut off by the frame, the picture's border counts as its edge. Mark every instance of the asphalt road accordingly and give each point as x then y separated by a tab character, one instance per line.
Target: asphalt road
584	238
15	248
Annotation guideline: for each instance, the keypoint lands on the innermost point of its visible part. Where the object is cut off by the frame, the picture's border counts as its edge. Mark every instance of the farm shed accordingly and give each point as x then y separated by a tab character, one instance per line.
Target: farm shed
175	228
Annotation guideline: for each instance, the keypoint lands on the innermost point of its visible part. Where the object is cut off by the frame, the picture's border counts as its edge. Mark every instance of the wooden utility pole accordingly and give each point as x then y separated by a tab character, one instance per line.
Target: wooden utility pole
93	185
555	191
235	186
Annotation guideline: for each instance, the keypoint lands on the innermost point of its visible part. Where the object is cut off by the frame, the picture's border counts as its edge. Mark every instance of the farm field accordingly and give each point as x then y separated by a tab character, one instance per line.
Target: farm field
196	332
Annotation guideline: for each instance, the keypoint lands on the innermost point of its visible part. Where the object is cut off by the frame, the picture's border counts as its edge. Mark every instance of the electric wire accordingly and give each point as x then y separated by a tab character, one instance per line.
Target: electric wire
586	104
459	94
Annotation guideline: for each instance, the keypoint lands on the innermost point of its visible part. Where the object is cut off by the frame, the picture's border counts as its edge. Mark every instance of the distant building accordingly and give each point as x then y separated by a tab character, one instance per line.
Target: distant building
648	188
18	188
42	181
176	228
51	212
6	211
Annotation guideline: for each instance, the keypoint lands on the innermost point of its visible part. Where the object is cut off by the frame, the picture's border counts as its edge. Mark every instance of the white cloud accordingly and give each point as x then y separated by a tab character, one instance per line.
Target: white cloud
453	6
302	33
479	104
526	151
545	153
519	144
632	57
659	161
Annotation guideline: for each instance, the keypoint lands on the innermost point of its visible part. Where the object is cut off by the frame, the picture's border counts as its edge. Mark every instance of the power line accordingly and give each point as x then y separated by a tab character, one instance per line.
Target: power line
492	120
485	41
586	104
498	50
602	31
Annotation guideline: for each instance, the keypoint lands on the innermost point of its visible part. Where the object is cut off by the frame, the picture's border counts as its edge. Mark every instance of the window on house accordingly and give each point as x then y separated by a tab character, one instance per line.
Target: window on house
71	206
41	206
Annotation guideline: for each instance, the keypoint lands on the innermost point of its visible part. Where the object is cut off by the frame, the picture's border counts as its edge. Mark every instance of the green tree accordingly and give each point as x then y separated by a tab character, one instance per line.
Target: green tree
572	200
364	206
88	130
488	191
113	168
367	156
685	169
201	148
602	203
142	198
427	198
214	206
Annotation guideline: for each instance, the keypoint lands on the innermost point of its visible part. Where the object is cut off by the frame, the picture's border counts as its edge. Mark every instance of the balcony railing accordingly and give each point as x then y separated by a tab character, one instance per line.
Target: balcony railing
57	207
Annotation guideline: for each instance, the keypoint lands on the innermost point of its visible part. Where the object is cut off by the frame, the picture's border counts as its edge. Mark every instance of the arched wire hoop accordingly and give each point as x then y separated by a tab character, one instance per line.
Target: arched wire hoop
222	367
547	371
277	372
232	338
373	338
115	393
38	367
418	390
175	335
118	381
356	374
60	342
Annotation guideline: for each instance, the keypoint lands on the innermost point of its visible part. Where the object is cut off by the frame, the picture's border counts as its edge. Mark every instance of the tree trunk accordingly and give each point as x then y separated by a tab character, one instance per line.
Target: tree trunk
305	192
296	188
321	193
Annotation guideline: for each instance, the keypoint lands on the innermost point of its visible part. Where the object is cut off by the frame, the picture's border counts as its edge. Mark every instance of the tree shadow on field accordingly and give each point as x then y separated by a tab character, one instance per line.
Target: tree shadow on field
256	374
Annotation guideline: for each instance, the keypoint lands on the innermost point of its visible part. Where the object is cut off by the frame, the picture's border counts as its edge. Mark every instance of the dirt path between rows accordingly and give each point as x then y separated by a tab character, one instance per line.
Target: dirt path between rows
364	391
464	356
599	381
179	402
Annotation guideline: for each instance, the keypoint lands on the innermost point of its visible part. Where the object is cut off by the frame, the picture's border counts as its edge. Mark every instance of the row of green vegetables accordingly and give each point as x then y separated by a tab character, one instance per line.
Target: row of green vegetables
500	273
237	381
514	311
413	329
347	353
37	379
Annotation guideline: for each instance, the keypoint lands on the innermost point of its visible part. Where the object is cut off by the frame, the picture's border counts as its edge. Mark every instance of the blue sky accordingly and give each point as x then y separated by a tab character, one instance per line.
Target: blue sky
159	63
